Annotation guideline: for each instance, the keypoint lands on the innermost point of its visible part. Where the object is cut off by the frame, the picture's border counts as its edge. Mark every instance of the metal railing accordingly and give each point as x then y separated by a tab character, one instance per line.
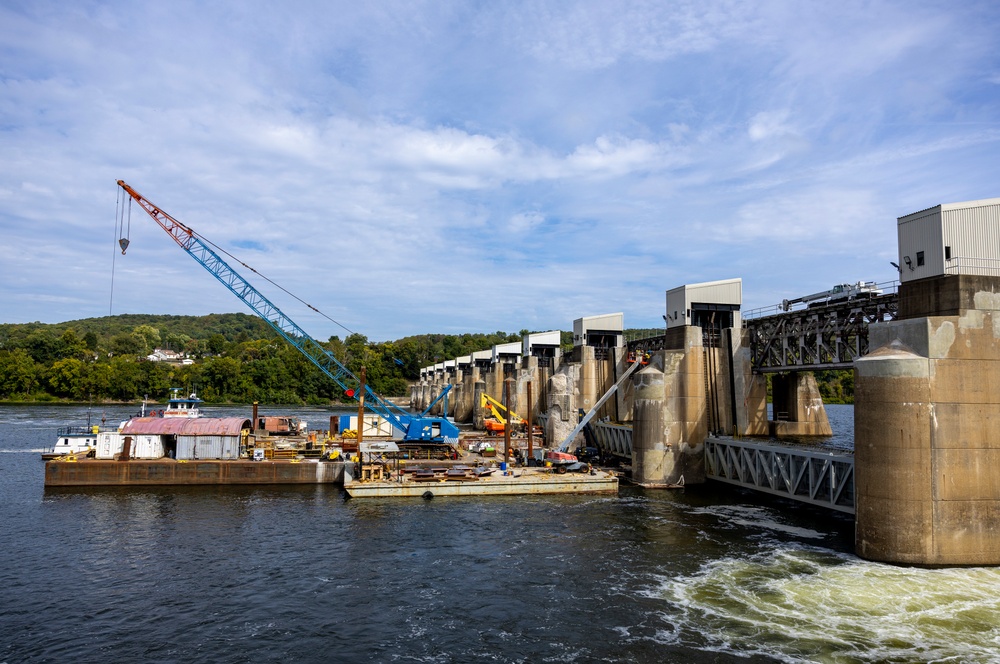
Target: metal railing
989	267
818	478
886	287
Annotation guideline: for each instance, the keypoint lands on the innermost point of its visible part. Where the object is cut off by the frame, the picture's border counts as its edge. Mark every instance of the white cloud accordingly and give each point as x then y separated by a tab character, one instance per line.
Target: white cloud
370	157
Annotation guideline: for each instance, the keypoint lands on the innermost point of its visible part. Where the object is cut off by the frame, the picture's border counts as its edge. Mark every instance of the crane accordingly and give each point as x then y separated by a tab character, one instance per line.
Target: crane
412	428
497	424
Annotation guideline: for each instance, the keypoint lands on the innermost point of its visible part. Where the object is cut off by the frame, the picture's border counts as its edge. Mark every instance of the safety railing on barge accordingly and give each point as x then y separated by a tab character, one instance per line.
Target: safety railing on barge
820	478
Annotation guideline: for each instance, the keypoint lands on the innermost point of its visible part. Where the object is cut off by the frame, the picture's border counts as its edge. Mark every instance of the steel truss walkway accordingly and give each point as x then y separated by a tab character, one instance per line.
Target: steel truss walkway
819	478
816	338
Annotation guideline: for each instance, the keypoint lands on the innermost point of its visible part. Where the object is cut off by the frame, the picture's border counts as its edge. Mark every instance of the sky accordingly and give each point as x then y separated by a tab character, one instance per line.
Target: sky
449	167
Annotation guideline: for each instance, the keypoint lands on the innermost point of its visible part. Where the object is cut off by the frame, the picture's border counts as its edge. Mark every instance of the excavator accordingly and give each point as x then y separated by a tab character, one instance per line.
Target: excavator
415	431
496	422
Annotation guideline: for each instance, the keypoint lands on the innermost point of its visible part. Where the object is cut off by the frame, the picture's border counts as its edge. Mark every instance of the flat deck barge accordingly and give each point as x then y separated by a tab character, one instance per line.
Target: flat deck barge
152	472
524	481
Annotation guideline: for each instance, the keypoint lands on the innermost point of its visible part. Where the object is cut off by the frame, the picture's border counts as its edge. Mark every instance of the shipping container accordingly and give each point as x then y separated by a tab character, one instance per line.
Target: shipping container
375	425
208	447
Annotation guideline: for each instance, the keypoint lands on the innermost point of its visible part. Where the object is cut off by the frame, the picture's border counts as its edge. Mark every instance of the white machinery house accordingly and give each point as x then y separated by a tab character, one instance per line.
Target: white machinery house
711	304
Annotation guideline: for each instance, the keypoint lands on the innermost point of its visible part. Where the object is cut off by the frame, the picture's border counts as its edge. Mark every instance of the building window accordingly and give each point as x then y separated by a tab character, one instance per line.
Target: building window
947	253
920	258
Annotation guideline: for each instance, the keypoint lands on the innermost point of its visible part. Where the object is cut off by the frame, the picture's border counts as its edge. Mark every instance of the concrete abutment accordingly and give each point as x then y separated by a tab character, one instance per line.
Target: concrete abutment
927	427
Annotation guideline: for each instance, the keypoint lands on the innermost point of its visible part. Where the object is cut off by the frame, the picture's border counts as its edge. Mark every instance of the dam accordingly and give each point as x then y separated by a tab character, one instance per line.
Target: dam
924	479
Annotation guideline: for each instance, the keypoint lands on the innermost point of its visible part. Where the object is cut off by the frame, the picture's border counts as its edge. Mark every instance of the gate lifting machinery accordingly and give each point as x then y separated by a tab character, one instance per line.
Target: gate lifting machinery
413	429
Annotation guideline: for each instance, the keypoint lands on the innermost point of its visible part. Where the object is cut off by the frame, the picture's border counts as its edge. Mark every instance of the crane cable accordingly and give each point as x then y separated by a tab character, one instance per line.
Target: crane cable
268	280
124	242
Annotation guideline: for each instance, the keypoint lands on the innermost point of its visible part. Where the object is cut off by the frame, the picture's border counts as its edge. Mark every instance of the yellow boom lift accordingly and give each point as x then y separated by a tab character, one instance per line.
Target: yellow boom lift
495	422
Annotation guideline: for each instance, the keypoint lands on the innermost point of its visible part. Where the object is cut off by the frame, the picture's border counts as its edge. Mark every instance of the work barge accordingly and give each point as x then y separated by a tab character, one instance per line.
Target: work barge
158	451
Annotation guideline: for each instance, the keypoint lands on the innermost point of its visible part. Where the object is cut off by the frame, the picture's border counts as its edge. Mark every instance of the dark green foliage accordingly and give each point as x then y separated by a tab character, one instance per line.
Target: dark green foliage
836	386
238	358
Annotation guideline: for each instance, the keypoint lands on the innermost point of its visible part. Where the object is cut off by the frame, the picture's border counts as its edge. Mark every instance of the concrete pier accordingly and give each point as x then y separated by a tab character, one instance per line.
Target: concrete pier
927	427
797	406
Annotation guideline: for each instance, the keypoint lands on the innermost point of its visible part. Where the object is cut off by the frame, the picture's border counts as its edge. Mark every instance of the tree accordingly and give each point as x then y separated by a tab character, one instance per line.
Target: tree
150	337
68	378
222	377
217	344
125	378
43	346
126	344
18	373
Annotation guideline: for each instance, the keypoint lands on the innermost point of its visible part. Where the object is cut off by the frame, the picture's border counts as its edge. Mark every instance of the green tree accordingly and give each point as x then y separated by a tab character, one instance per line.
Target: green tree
68	378
126	378
222	379
217	344
43	346
72	345
126	344
150	337
18	373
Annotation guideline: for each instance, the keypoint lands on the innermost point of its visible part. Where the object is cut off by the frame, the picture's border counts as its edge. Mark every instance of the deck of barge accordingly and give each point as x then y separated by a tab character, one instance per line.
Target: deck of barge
524	481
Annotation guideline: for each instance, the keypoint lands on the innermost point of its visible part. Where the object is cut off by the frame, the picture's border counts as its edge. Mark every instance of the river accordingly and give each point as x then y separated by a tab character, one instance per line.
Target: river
298	574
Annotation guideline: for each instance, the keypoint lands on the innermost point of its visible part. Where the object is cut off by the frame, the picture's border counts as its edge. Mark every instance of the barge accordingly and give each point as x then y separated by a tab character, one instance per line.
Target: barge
79	472
520	482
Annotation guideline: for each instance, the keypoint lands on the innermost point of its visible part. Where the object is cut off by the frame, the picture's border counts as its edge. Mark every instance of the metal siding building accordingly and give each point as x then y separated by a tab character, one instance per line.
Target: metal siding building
549	339
683	301
952	238
197	438
506	352
596	330
482	358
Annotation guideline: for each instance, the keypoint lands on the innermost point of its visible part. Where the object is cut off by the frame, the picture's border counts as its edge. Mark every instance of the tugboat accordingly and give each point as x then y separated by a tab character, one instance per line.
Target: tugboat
74	440
177	406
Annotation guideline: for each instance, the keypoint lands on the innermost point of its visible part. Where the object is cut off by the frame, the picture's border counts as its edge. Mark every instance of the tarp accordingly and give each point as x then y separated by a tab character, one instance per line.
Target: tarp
194	426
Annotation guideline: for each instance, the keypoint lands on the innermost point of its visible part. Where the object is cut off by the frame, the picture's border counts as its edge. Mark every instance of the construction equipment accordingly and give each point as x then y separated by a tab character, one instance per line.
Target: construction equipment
426	431
495	426
562	456
862	289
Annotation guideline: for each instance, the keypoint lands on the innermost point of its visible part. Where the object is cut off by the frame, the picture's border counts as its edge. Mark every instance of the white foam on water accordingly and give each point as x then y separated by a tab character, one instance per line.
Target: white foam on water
758	517
801	604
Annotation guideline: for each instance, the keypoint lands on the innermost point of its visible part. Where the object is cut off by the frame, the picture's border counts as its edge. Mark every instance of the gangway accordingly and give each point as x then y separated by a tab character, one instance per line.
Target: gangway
411	428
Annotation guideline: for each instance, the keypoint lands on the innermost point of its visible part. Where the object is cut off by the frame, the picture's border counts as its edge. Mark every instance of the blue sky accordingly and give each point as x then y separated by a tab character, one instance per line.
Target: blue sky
415	167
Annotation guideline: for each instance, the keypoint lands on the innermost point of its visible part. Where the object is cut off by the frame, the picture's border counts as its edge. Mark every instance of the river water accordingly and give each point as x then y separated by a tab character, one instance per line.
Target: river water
298	574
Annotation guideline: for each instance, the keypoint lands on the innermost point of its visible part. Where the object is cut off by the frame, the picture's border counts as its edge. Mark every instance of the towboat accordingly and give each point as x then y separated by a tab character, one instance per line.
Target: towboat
177	406
73	440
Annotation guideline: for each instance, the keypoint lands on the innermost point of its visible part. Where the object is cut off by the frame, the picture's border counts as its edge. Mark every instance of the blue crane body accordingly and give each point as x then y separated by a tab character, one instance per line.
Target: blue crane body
412	428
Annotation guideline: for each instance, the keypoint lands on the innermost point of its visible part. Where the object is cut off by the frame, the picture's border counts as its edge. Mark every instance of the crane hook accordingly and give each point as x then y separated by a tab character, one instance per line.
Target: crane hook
123	243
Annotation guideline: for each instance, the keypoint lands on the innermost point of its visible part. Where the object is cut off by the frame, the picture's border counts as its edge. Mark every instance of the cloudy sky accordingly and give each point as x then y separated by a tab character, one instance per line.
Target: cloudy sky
414	167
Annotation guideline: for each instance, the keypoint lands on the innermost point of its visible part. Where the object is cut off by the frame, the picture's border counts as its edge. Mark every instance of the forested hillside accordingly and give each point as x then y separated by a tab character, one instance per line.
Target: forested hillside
236	358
